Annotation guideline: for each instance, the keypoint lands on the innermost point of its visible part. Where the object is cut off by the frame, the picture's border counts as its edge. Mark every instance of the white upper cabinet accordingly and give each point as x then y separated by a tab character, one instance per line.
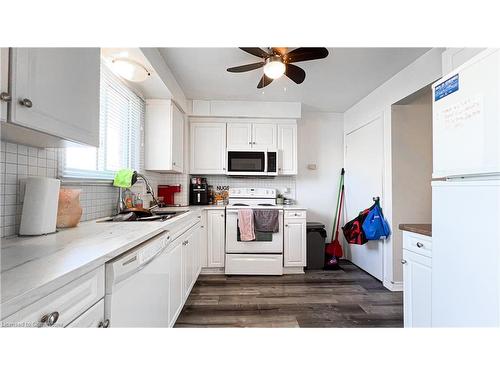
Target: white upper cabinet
208	148
163	137
264	136
56	91
244	136
4	79
287	147
239	136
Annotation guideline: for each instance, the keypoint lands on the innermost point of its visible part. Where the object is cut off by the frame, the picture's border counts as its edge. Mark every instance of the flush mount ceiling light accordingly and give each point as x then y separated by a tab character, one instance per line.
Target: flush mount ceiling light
129	69
274	67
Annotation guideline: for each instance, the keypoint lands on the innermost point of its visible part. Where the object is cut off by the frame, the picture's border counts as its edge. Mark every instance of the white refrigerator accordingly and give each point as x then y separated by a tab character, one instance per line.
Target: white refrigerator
466	195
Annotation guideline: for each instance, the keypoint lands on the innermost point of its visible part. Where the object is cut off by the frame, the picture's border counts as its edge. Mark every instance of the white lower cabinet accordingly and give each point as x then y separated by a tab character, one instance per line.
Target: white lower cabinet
63	306
417	278
216	238
294	245
175	293
92	318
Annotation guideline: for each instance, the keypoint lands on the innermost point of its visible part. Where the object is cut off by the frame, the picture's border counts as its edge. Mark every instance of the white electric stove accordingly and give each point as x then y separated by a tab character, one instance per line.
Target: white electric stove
264	255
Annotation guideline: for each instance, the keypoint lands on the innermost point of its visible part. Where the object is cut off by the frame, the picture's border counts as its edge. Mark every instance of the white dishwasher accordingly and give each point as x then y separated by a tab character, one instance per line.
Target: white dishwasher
137	285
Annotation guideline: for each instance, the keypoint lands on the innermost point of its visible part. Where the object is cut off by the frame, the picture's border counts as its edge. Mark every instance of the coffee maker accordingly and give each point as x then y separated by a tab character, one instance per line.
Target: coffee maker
198	192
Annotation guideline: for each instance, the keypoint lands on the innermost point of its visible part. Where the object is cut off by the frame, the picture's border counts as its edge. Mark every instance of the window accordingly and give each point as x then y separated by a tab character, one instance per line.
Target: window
120	121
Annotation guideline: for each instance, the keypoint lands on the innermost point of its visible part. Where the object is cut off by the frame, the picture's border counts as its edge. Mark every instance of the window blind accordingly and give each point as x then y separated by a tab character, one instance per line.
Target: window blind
121	118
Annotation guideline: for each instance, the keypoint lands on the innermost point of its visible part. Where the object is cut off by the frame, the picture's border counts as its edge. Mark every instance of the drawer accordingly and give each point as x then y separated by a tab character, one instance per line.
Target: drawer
69	302
92	318
417	243
295	214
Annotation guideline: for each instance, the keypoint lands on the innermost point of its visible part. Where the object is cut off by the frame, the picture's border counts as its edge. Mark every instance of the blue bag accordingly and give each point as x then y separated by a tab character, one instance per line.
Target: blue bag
375	226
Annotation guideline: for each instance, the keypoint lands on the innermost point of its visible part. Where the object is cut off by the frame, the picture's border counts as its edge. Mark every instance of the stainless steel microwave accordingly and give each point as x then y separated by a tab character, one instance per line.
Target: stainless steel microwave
252	163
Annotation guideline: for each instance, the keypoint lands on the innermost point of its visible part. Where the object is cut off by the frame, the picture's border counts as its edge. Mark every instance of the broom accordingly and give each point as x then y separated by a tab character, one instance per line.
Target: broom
334	248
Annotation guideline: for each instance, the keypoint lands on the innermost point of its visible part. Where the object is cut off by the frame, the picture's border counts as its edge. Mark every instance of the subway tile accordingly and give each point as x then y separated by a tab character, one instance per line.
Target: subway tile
42	153
10	189
22	170
10	158
22	150
42	172
11	147
11	168
33	161
10	178
42	163
32	151
10	199
22	159
32	171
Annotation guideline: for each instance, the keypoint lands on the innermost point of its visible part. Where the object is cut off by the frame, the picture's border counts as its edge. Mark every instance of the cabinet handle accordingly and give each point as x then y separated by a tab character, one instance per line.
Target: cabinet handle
223	169
104	324
50	319
173	163
254	143
403	261
222	215
420	244
249	143
5	97
26	103
286	225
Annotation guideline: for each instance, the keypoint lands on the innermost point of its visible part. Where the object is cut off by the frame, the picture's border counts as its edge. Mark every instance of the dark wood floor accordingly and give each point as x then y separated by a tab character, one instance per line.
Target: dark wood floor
348	297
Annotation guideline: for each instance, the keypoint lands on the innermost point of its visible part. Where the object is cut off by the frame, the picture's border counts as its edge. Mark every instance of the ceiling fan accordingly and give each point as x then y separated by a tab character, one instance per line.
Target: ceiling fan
277	61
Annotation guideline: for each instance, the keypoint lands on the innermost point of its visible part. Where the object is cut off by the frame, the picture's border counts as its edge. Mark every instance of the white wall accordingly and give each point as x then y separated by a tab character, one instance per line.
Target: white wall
320	142
420	73
411	169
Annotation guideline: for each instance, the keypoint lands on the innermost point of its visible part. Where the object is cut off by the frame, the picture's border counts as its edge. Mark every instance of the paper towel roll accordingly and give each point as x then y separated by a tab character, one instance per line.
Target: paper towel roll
40	206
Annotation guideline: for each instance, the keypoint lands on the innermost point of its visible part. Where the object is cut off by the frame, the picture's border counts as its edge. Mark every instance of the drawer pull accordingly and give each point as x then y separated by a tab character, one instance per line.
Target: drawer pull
420	244
50	319
403	261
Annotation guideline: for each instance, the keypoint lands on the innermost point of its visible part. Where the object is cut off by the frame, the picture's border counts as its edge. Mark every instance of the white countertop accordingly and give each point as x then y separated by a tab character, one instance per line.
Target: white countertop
32	267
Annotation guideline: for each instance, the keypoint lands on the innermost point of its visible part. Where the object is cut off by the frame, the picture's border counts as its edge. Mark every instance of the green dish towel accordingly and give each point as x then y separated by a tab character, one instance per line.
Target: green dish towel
123	178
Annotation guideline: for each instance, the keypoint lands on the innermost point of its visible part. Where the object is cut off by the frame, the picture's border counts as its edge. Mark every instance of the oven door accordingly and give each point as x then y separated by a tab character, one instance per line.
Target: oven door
265	243
246	163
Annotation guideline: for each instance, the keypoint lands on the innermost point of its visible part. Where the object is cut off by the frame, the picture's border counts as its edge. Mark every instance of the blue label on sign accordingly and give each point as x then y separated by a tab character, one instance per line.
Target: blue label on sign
446	88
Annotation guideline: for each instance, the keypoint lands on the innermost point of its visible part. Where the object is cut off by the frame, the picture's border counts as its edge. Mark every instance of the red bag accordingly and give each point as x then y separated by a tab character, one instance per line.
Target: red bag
353	230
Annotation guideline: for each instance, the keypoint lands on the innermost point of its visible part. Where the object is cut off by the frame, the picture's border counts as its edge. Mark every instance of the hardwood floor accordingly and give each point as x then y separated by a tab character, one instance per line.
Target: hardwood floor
348	297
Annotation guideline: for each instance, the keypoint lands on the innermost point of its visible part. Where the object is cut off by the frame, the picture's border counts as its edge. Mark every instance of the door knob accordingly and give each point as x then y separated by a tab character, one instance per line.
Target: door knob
26	103
5	97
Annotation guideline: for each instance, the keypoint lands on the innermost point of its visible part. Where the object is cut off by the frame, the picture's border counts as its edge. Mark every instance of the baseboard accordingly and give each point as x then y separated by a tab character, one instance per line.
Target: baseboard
393	286
212	271
292	270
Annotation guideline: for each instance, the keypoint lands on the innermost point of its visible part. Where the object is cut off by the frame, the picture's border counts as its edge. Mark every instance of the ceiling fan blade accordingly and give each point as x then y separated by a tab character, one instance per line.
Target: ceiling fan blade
305	54
264	81
256	51
295	73
246	68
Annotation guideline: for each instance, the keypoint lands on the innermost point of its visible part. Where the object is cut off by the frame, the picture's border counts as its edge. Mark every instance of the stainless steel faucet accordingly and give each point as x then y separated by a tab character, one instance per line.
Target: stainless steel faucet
149	190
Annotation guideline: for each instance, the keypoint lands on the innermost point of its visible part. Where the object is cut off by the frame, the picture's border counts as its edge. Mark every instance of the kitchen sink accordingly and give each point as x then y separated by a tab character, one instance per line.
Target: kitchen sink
156	215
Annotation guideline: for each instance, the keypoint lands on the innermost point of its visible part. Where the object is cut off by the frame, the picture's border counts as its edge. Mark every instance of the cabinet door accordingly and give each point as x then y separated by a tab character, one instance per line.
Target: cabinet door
176	283
264	136
177	139
203	240
62	86
208	148
417	276
294	250
287	146
4	79
239	135
216	238
92	318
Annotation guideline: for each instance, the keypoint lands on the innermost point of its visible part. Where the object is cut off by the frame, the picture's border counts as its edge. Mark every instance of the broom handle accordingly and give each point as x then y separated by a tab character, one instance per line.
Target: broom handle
340	207
335	220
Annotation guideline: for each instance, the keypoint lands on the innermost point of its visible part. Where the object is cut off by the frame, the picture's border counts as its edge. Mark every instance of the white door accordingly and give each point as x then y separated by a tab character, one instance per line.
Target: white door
175	292
287	149
215	236
363	181
4	81
239	136
417	276
465	253
264	136
177	139
60	91
208	148
294	247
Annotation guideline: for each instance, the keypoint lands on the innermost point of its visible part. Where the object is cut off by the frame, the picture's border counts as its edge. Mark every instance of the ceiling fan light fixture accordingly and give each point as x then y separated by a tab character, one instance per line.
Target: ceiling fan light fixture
129	69
274	67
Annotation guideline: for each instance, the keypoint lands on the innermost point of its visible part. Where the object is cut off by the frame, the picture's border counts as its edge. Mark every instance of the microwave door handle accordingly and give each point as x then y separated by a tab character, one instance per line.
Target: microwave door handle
265	162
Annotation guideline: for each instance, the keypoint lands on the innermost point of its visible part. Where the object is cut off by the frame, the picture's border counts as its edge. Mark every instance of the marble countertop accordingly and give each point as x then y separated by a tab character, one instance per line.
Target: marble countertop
32	267
424	229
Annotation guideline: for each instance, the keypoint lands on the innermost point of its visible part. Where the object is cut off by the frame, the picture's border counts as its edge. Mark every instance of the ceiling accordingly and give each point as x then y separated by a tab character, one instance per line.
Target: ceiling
332	84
